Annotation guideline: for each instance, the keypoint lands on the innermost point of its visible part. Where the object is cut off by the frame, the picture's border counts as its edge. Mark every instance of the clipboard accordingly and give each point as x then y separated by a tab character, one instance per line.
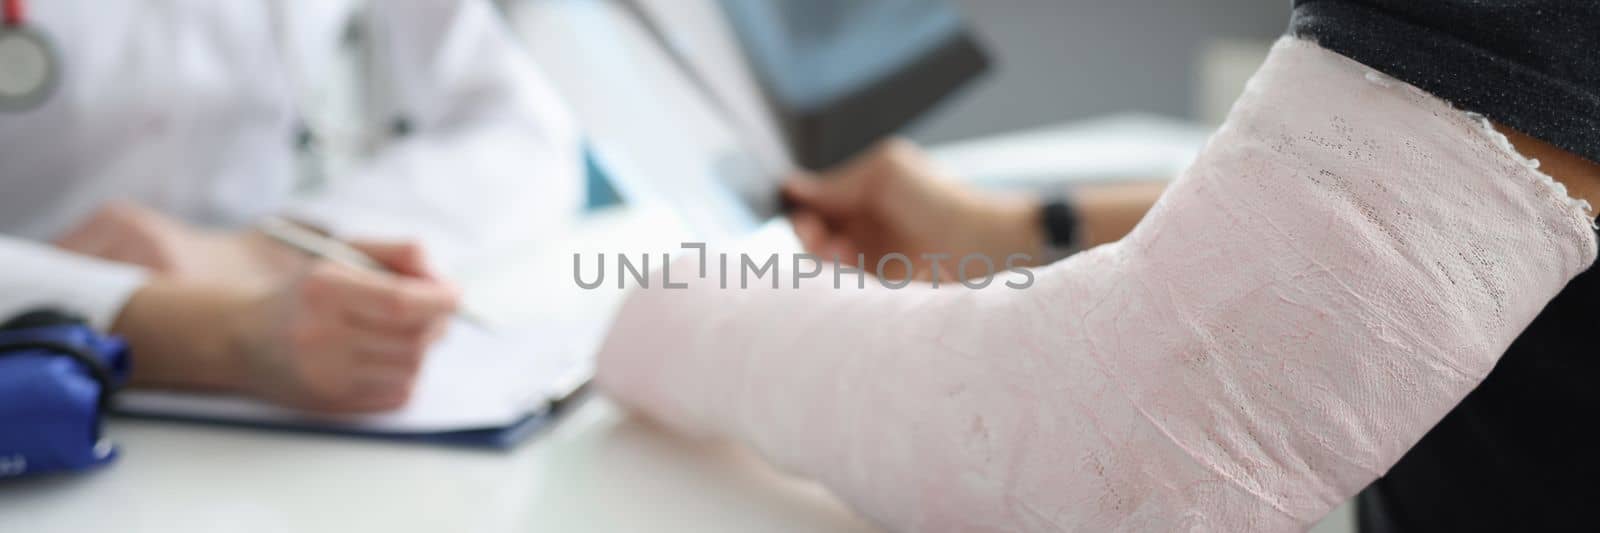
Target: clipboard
495	438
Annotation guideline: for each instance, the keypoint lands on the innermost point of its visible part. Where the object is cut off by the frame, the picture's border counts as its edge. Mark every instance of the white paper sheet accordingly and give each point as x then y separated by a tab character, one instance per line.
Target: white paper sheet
473	379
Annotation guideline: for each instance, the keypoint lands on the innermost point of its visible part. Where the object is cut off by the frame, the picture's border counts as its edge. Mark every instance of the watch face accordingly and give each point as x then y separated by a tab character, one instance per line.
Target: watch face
28	69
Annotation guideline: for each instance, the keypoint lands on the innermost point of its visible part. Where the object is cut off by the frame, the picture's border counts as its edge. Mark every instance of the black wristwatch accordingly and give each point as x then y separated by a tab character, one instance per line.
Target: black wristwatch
1063	234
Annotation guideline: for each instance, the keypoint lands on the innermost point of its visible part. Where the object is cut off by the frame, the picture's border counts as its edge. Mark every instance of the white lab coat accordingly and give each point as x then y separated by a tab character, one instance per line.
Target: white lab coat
190	106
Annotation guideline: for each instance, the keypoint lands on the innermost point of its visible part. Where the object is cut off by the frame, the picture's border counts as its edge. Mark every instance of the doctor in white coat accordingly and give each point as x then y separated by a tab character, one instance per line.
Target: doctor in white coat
140	140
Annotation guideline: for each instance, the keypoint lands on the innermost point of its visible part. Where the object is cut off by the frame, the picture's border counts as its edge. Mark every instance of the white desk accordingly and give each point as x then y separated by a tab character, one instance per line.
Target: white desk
596	471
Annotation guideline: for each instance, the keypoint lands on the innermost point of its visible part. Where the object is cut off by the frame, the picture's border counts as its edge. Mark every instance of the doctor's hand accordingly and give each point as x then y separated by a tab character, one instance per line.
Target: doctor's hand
893	199
127	232
342	339
330	339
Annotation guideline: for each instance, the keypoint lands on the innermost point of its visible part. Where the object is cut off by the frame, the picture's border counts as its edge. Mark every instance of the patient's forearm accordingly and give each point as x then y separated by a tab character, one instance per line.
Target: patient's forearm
1345	261
1109	211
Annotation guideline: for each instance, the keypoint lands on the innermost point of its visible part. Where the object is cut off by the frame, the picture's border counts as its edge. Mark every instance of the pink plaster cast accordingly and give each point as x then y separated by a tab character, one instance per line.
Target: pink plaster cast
1344	262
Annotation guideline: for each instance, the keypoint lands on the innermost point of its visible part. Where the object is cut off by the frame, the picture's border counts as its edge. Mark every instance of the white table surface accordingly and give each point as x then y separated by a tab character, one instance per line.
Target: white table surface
597	470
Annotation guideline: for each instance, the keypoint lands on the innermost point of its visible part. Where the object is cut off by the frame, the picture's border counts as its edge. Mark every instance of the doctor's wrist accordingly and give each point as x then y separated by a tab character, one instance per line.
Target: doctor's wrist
275	262
182	335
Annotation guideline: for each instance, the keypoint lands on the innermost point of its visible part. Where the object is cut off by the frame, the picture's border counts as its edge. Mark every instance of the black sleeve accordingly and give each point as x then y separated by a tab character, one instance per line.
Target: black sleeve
1533	65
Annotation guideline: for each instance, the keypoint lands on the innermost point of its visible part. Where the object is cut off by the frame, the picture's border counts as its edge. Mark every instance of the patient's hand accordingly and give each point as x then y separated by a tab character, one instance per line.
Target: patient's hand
894	200
127	232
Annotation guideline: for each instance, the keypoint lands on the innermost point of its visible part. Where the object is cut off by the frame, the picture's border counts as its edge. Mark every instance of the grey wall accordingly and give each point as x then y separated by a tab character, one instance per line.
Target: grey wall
1063	59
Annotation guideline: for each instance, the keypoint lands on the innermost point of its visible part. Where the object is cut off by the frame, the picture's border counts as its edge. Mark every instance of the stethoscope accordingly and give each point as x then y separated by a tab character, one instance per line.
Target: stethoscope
30	66
319	144
30	72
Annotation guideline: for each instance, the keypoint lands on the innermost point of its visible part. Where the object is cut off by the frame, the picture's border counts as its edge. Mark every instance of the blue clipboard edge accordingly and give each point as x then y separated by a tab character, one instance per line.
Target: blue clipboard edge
500	438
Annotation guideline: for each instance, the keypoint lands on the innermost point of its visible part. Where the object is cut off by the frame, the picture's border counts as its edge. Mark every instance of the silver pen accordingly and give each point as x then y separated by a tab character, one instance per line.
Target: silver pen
322	246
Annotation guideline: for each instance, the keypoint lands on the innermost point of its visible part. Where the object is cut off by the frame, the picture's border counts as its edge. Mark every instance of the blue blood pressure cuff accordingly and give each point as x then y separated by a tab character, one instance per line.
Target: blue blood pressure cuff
57	378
